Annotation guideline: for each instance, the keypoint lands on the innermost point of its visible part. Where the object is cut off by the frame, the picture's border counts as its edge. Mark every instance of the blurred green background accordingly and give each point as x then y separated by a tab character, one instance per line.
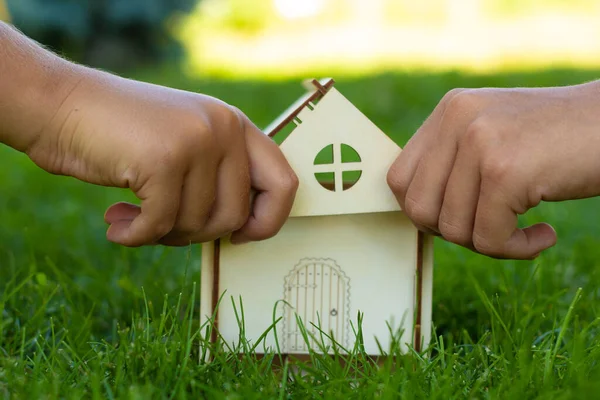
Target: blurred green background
393	58
278	38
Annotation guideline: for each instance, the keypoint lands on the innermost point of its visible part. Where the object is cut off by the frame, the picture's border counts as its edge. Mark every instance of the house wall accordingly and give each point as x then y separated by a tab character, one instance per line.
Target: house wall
376	252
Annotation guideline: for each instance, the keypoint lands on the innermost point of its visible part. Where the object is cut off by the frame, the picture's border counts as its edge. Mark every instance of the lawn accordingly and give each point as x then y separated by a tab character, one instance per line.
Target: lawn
81	317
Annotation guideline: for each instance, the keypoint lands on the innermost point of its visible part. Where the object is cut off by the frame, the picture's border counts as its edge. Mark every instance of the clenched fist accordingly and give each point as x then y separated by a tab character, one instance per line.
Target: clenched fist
484	156
201	169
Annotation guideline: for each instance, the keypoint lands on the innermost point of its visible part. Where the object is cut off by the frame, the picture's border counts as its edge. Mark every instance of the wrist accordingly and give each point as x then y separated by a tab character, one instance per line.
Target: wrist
33	84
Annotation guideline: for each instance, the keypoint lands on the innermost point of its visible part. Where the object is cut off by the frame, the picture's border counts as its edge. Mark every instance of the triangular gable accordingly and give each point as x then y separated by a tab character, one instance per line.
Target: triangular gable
336	121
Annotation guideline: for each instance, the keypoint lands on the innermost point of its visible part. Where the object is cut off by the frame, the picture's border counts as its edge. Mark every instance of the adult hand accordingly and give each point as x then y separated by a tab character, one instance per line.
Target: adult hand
485	156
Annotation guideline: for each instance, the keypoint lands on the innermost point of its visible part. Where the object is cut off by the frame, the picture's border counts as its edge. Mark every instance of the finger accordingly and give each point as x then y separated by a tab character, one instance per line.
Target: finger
496	233
121	211
160	203
275	184
197	199
232	203
402	171
457	215
425	229
120	215
425	193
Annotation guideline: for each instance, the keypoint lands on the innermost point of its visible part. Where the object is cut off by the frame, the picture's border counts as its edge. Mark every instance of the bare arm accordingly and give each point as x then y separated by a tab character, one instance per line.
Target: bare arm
33	82
191	159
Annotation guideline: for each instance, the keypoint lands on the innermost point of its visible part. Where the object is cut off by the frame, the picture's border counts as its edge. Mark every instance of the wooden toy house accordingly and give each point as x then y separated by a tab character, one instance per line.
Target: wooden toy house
346	248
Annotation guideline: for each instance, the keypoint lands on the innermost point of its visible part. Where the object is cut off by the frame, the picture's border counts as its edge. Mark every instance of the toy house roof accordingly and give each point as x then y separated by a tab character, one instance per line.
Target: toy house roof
333	141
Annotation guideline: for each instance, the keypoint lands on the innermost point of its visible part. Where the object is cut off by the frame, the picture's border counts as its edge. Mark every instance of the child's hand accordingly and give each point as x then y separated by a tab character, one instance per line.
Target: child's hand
191	159
486	155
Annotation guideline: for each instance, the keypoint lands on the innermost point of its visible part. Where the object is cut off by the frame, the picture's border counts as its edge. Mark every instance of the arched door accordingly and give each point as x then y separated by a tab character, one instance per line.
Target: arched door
318	292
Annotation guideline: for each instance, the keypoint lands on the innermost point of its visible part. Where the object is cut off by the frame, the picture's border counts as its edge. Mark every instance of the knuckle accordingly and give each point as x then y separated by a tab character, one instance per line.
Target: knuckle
237	118
461	101
196	137
228	121
453	232
201	140
479	135
483	245
236	220
232	119
289	182
451	94
496	170
396	181
418	214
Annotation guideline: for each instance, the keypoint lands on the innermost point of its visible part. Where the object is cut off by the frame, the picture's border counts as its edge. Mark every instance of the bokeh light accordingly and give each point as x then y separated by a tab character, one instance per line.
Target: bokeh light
276	38
292	9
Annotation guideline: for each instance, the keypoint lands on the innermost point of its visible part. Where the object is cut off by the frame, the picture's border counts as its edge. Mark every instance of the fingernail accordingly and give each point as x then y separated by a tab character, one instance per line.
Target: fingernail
113	235
117	231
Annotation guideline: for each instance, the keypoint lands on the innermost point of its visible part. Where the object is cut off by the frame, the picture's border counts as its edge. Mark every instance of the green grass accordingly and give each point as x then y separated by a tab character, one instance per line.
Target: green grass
80	317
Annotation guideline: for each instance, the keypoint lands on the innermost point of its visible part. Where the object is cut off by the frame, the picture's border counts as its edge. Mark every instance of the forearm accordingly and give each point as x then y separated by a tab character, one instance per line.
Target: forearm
33	83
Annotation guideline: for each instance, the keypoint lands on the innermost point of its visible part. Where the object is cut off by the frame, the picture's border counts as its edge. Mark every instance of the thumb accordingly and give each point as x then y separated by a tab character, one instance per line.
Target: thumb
119	217
135	226
496	234
531	240
121	211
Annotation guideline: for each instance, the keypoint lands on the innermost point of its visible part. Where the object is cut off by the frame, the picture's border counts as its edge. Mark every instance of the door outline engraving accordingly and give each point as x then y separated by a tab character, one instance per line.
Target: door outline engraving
315	286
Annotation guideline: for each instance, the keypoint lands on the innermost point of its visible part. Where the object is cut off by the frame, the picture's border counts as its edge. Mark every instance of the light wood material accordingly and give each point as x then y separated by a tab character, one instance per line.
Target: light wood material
329	267
427	292
336	121
315	89
345	248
